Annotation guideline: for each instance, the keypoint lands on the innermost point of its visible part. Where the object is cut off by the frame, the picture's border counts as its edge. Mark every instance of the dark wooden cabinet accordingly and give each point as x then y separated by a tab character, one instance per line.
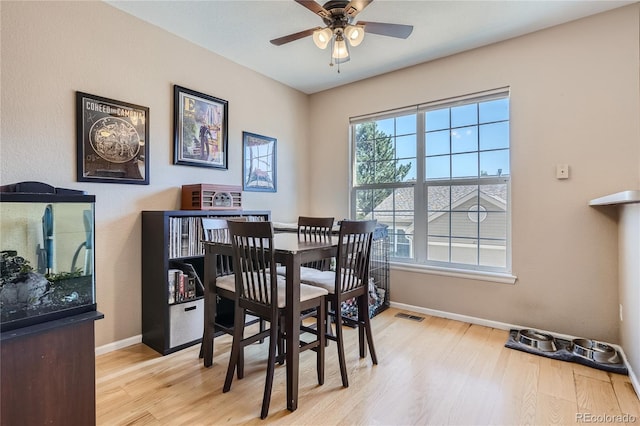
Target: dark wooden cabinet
48	373
171	239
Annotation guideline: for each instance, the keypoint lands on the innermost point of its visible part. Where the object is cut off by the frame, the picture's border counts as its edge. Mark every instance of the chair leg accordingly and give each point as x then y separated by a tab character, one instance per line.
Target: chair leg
261	329
236	347
367	328
201	354
362	314
327	310
320	325
240	363
340	344
268	385
281	341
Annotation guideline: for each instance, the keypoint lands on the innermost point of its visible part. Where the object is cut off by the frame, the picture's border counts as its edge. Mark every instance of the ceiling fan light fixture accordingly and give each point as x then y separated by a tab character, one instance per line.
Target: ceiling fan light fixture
355	34
340	50
322	37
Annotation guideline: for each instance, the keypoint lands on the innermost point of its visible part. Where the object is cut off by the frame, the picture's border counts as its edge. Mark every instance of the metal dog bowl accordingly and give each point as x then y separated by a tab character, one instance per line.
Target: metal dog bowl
595	351
537	340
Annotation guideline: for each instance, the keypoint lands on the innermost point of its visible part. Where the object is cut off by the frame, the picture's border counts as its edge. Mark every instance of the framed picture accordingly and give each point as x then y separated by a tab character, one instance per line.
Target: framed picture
259	163
113	140
200	129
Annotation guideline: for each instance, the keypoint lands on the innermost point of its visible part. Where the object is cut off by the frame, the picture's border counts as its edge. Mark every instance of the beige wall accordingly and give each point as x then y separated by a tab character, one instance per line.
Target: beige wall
52	49
575	100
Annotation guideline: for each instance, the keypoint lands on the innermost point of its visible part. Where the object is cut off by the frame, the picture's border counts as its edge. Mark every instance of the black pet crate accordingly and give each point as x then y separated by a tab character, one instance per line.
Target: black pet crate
378	277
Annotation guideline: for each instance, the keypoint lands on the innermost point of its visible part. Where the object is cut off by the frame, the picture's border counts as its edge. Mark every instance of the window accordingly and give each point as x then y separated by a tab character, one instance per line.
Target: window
438	176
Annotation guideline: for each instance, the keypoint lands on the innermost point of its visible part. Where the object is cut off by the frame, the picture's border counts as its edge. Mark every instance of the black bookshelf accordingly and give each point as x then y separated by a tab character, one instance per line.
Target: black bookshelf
168	327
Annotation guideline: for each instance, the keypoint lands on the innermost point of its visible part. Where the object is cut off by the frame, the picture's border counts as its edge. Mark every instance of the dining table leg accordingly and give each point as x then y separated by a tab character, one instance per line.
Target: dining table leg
292	328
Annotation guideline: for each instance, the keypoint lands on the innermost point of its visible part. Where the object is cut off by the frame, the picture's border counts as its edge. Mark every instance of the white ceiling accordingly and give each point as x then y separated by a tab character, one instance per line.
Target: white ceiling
240	31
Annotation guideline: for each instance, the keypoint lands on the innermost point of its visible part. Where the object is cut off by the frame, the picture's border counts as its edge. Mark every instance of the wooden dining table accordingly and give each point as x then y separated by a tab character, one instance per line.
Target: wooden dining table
290	251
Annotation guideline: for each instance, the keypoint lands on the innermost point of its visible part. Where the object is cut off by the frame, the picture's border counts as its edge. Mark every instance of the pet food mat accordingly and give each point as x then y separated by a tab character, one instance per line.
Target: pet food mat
564	353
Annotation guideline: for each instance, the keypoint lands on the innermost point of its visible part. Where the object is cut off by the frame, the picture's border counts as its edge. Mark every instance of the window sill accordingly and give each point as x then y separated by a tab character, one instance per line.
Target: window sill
495	277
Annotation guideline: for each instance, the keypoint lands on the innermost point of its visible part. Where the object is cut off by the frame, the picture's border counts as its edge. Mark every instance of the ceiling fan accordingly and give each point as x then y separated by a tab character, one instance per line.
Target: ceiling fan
338	16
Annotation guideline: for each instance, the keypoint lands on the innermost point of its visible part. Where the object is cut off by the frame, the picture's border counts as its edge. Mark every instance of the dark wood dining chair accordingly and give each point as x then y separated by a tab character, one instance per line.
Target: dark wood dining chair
314	229
217	230
350	280
261	291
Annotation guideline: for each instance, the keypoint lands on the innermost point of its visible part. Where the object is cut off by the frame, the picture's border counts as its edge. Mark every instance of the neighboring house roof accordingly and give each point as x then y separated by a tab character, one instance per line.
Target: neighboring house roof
440	199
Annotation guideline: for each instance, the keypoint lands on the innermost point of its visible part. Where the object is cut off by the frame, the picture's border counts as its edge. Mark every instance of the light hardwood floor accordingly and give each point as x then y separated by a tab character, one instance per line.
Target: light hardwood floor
433	372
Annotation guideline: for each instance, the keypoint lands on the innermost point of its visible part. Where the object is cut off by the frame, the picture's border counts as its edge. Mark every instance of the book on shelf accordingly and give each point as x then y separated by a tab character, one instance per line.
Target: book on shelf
188	282
172	279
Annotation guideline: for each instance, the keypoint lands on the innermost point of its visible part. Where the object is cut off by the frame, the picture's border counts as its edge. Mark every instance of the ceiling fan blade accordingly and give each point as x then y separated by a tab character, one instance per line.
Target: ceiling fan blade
356	6
390	30
292	37
315	8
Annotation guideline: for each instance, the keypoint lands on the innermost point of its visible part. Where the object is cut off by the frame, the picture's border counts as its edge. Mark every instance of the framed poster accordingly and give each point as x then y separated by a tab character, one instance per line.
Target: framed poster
113	140
200	129
259	163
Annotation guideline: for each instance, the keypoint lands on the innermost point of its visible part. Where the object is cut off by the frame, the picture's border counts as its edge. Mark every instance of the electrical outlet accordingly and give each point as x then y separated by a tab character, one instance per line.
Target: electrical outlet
562	171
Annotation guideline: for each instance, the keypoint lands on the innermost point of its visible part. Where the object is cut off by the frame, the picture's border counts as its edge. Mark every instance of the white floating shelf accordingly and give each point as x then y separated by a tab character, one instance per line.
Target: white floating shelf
624	197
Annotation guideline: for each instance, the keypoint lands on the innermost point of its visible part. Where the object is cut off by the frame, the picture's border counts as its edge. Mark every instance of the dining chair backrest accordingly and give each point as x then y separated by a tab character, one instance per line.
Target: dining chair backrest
216	230
253	258
354	253
314	227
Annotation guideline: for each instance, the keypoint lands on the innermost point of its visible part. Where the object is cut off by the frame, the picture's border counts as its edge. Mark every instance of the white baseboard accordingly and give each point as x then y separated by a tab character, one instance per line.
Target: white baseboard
634	379
505	326
110	347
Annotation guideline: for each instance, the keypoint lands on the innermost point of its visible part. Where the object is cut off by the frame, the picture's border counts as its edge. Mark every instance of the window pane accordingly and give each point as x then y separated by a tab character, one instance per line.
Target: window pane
494	163
438	248
464	115
493	136
493	253
403	234
385	126
494	226
364	148
461	226
383	200
365	172
463	196
364	203
406	124
496	195
438	167
401	246
464	139
394	208
437	142
438	198
464	165
406	170
361	128
406	146
494	110
385	171
464	251
437	119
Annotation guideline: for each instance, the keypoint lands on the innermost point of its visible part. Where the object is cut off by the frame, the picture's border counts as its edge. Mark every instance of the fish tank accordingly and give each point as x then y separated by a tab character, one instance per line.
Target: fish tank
46	254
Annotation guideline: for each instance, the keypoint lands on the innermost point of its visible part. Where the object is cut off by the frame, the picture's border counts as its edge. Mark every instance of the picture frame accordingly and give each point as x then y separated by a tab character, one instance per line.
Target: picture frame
112	140
200	129
259	171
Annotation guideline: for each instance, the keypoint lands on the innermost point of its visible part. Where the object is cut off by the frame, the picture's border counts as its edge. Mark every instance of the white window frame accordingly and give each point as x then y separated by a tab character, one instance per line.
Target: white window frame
420	186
